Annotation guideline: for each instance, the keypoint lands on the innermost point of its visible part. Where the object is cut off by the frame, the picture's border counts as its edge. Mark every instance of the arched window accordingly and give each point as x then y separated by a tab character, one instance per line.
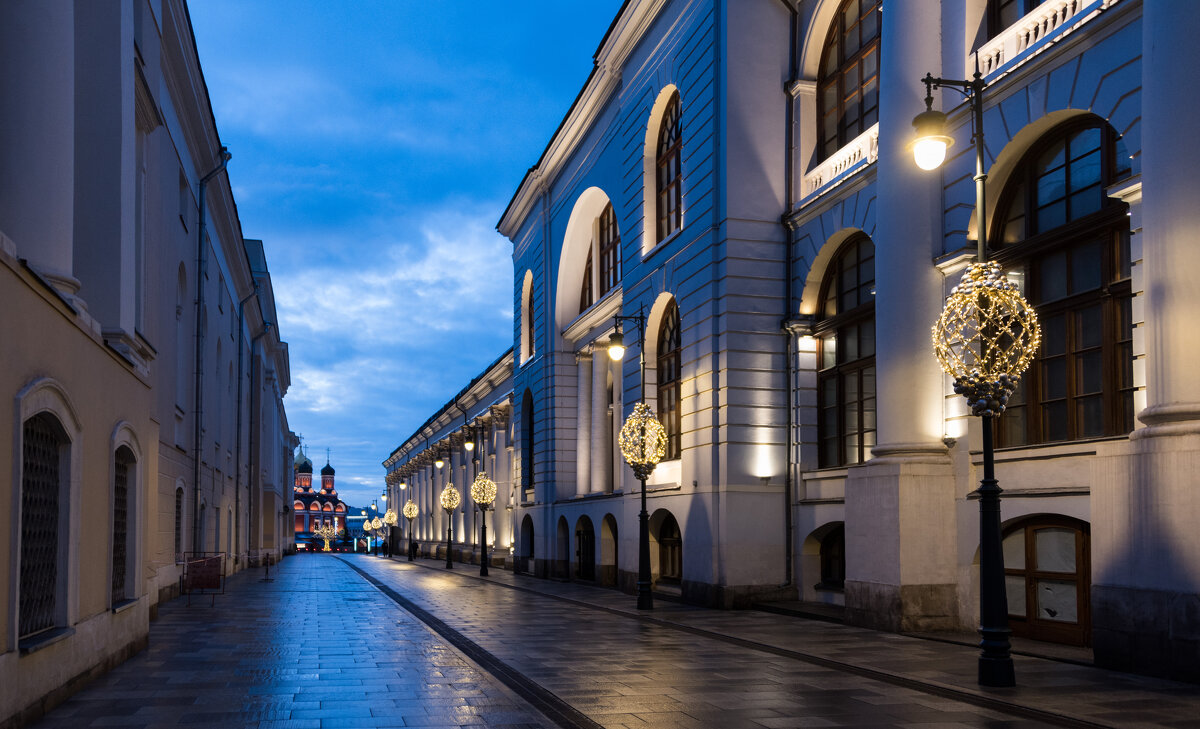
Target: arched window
1067	243
848	85
846	356
527	485
527	329
605	246
668	378
1047	573
608	243
123	465
668	172
43	440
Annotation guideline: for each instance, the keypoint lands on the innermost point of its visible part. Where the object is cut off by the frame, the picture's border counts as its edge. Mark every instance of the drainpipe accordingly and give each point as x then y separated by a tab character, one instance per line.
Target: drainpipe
201	260
255	405
789	526
237	459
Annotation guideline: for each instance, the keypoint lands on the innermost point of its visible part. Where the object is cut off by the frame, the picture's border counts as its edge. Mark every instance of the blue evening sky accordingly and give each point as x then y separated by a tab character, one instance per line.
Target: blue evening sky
375	145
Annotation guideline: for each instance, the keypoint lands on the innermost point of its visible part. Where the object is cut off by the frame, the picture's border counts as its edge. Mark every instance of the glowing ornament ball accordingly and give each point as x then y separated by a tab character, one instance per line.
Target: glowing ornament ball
377	523
450	498
483	490
643	441
986	337
390	518
410	510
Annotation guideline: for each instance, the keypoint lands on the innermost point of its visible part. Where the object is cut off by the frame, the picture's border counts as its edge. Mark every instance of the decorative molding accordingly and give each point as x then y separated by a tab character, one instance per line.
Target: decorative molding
863	150
1025	37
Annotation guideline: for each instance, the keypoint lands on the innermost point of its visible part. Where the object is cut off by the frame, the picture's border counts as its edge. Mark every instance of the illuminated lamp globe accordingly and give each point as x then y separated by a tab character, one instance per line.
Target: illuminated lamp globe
377	523
643	441
986	337
469	445
450	498
616	346
929	149
410	510
483	491
439	462
390	518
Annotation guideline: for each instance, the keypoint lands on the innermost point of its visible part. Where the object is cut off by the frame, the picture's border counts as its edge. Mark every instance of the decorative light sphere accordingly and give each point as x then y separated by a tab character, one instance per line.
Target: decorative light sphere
367	526
450	498
986	337
377	523
390	518
483	490
410	510
643	440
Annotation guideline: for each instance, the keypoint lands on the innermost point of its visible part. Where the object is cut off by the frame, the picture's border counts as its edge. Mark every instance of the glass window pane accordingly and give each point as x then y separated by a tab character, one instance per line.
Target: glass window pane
1085	171
1052	186
1057	600
1089	327
1089	375
870	23
1013	425
1084	142
1089	417
1054	421
828	351
1086	202
1085	266
868	338
1051	216
1014	550
1054	335
1052	159
1014	590
1055	549
1054	378
849	339
1052	277
852	448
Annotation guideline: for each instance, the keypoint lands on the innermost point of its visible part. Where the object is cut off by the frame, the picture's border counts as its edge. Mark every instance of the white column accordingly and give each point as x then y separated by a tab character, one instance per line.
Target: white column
601	479
37	135
583	422
908	236
1171	247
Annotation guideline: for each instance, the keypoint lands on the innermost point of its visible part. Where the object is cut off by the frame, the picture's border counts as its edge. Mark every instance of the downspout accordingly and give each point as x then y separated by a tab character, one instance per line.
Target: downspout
255	403
789	373
237	458
201	260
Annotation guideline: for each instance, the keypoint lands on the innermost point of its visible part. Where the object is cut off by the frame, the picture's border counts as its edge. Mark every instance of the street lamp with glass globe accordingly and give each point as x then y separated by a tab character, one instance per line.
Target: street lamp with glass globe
483	493
410	513
985	338
450	499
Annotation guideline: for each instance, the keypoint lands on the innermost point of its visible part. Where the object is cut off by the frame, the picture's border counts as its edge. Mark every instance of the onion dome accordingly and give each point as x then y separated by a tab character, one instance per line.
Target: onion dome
303	465
327	470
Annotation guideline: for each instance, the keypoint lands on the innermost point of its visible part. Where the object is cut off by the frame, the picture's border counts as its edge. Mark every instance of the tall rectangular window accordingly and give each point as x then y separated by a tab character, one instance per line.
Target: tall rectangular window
42	440
120	531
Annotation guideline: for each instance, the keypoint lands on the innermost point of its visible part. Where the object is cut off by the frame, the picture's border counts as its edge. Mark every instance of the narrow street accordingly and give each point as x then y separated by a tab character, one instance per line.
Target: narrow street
357	641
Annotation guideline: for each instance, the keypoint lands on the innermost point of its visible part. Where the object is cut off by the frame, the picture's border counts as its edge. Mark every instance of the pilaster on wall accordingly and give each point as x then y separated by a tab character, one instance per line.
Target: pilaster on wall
900	530
1146	572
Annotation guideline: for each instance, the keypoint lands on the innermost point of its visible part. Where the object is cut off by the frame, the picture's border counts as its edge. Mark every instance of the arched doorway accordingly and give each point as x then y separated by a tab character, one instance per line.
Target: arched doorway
608	551
562	560
585	550
670	551
1047	573
525	556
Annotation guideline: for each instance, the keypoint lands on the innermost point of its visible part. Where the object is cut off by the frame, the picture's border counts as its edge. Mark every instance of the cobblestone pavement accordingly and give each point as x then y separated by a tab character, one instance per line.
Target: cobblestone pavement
336	642
318	647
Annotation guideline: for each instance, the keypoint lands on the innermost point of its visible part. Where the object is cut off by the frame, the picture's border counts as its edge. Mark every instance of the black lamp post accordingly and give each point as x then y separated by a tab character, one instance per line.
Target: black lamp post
985	338
450	500
410	513
643	444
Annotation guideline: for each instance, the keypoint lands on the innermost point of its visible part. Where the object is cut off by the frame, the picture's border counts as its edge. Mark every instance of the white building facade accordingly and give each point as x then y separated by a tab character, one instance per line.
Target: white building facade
739	174
122	257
